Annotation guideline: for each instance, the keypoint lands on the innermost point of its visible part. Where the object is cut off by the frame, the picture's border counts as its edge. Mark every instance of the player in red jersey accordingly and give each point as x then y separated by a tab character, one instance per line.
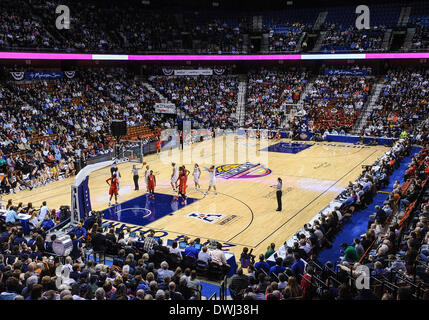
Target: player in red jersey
183	179
158	146
114	186
183	170
151	183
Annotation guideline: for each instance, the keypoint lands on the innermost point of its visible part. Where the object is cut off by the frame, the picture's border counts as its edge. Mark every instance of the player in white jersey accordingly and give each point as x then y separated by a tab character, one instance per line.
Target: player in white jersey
174	176
118	176
146	175
212	181
197	174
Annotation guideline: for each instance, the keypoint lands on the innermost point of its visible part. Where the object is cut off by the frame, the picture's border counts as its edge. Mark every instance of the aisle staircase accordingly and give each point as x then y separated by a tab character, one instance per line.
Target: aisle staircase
318	44
299	106
409	38
153	90
180	113
307	89
241	101
320	20
404	16
387	40
367	110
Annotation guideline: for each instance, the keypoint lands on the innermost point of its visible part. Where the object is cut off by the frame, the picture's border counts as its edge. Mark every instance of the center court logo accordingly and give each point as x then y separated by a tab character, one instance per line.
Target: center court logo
242	171
206	217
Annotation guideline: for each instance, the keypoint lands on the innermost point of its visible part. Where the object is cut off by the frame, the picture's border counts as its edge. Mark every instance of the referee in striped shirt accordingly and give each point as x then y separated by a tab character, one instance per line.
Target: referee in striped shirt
135	172
279	187
149	242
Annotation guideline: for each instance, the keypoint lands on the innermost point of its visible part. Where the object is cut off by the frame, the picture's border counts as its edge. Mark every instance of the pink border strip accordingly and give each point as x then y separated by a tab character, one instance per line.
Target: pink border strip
44	56
411	55
215	57
79	56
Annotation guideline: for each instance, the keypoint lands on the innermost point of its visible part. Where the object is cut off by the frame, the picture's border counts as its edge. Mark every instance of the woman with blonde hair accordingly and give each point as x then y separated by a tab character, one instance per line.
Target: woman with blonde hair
34	221
177	275
150	277
293	289
145	258
117	281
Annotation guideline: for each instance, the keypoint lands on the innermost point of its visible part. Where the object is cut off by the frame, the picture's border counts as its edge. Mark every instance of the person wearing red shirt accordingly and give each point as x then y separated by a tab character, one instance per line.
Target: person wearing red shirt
183	179
182	169
391	163
151	183
113	190
158	146
182	186
306	283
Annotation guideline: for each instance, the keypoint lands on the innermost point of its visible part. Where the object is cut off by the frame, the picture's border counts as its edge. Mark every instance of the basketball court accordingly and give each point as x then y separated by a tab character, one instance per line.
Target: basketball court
243	213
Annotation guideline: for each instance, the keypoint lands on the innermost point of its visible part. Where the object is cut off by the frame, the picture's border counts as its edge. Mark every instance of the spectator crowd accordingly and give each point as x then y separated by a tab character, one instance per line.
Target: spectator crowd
339	38
269	92
50	128
209	100
402	105
141	268
132	27
394	249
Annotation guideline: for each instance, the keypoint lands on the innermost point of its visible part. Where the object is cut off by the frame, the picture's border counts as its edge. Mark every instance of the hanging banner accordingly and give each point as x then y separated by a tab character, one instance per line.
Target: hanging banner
346	72
165	108
193	72
196	72
70	74
167	72
44	75
84	199
219	71
17	75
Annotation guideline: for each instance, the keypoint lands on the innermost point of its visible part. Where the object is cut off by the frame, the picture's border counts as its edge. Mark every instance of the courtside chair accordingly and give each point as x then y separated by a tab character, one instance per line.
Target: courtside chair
202	268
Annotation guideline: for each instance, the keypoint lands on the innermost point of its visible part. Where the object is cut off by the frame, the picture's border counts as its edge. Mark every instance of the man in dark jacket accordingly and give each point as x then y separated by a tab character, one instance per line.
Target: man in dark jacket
161	248
76	252
173	294
98	242
239	282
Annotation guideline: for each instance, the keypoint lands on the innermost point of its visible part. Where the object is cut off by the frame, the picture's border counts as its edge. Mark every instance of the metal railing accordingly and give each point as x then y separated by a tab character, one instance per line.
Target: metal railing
223	287
213	296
